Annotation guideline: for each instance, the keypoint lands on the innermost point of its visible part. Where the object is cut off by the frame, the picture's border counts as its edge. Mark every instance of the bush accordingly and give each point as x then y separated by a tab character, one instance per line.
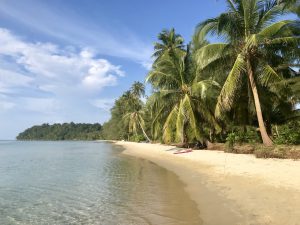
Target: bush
230	141
250	136
137	138
288	133
288	138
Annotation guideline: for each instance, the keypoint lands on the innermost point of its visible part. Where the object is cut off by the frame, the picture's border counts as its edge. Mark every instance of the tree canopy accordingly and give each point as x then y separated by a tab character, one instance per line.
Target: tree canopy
65	131
248	84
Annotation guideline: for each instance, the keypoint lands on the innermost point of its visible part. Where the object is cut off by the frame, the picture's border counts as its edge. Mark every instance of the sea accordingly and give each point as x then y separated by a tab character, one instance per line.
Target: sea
86	182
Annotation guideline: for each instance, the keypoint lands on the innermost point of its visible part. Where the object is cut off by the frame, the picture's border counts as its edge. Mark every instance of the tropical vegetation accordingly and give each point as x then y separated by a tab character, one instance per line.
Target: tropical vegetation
244	87
65	131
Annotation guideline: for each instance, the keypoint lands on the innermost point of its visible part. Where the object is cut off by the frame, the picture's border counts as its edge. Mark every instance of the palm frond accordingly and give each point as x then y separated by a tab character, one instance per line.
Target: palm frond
212	52
269	76
231	86
169	125
274	29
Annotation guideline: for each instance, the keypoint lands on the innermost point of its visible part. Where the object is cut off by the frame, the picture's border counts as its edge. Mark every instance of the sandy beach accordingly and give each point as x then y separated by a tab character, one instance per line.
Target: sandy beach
230	188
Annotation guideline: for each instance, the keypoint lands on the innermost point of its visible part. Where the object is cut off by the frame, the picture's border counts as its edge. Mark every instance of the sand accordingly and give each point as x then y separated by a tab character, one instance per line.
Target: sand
230	188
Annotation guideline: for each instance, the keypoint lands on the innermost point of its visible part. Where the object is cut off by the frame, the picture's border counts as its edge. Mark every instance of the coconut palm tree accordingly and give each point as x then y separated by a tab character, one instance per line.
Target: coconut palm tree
133	118
135	122
250	35
138	89
169	43
180	100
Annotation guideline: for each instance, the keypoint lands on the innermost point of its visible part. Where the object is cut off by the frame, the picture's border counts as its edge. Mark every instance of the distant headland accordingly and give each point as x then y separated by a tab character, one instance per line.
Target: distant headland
65	131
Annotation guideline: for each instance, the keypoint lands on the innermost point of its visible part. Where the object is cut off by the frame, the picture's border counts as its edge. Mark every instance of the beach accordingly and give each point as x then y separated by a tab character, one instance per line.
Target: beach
231	188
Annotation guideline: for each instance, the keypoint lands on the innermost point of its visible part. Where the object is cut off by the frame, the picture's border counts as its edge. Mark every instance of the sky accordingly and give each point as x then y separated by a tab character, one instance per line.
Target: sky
63	61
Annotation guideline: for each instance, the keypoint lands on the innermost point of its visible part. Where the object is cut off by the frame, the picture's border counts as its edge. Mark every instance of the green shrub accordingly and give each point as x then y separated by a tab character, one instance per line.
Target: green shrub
230	141
137	138
288	133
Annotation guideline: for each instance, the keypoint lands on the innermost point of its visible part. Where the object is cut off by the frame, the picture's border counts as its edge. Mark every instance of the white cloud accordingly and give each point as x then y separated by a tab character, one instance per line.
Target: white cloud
48	79
48	63
78	30
9	79
100	73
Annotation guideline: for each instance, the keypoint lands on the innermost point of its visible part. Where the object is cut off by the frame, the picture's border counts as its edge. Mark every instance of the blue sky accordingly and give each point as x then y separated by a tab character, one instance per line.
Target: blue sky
63	61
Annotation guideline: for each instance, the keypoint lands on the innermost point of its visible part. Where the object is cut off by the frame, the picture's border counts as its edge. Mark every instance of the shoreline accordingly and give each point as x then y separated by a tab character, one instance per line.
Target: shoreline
231	188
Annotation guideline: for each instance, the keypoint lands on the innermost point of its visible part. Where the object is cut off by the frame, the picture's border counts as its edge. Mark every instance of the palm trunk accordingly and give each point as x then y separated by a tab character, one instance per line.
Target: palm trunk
264	135
146	136
276	128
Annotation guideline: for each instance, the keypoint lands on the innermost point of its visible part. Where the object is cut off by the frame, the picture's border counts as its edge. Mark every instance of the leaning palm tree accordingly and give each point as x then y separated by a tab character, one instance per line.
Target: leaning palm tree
135	122
253	42
180	100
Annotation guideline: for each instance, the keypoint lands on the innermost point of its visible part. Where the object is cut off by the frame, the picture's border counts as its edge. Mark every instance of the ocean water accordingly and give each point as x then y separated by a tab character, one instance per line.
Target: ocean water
87	183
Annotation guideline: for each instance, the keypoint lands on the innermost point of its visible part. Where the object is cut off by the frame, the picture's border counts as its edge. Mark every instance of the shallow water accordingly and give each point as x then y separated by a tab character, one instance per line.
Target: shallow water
87	183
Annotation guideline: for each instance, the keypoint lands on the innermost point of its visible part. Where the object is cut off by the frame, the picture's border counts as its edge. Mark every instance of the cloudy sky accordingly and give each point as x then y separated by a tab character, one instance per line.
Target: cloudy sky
63	61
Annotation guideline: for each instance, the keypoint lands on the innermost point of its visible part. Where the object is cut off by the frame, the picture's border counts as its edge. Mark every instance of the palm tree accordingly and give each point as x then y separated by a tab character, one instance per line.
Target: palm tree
133	118
248	54
135	121
138	89
170	43
179	101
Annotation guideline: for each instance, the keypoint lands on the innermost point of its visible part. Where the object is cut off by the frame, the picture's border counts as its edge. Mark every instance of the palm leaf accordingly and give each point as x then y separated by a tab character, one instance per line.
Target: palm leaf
169	125
269	76
231	86
210	53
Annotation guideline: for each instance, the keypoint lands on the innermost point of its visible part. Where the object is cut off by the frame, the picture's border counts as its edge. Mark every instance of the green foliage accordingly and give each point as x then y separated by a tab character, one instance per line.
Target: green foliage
137	138
181	99
257	54
66	131
230	141
288	133
221	91
127	117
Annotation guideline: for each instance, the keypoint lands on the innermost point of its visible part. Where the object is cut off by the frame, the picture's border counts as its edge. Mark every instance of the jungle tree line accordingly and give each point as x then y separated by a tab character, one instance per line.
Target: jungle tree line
203	91
65	131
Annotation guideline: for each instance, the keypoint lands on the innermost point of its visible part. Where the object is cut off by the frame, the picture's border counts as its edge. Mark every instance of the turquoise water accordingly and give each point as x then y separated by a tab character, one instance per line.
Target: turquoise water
87	183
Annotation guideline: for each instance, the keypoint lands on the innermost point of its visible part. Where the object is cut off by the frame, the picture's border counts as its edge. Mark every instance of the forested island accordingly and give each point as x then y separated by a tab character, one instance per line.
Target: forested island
65	131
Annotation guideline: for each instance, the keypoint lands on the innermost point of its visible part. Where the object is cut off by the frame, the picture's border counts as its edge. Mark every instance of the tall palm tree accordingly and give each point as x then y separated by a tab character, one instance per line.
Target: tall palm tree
134	115
138	89
179	100
169	43
250	35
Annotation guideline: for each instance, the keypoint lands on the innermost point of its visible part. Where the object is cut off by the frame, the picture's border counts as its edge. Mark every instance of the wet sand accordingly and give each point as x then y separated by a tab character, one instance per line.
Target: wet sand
229	188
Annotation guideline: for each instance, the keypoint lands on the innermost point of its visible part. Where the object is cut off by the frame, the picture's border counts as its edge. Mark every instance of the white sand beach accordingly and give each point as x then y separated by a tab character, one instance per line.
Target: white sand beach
230	188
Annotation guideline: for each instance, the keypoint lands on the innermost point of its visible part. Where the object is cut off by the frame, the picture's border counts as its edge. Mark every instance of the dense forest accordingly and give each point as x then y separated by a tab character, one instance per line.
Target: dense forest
65	131
244	88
